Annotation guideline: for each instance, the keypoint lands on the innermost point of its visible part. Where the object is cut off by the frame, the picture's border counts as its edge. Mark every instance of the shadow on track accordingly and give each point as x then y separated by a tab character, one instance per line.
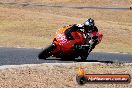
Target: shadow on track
97	61
79	60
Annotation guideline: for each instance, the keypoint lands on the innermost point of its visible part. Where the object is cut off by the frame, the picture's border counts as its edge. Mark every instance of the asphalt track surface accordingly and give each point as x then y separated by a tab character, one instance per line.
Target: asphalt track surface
31	5
18	56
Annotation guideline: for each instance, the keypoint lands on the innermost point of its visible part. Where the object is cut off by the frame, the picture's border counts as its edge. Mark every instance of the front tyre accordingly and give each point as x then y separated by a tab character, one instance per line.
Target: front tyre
44	54
47	51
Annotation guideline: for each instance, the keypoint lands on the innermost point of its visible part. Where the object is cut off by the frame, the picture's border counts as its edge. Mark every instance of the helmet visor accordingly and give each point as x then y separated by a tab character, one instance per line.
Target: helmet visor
88	23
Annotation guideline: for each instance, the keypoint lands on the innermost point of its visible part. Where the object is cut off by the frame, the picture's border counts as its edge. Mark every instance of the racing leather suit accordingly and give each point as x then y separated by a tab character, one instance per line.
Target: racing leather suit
79	27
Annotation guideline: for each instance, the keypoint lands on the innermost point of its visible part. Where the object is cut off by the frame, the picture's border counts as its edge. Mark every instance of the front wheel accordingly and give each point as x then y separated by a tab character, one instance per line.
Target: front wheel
84	57
47	52
44	54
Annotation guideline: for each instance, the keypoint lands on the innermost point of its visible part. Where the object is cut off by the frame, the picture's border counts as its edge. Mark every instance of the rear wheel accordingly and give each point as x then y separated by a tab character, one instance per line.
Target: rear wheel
47	51
84	55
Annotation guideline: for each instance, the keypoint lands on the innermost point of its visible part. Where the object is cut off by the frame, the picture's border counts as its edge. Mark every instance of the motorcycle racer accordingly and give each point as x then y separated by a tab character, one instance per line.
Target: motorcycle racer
73	41
89	28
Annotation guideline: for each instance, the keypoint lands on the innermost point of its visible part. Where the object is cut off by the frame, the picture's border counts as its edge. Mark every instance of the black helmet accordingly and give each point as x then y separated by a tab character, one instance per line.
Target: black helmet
89	24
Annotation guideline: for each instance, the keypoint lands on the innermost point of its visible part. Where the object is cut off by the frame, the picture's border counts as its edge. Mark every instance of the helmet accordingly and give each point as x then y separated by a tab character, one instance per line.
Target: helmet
89	24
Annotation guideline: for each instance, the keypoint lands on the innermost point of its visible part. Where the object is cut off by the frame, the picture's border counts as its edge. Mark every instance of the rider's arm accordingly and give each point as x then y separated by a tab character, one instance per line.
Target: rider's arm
95	29
68	32
75	27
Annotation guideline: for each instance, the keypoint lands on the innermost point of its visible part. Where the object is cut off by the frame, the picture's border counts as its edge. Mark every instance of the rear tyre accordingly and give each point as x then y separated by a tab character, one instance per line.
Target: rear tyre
47	51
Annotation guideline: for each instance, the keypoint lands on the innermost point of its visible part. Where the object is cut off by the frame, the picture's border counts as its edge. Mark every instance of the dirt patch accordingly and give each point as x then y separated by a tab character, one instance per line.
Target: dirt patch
59	75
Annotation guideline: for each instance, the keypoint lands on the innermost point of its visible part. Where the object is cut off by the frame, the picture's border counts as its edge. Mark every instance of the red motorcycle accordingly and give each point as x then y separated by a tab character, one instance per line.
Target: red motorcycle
68	49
